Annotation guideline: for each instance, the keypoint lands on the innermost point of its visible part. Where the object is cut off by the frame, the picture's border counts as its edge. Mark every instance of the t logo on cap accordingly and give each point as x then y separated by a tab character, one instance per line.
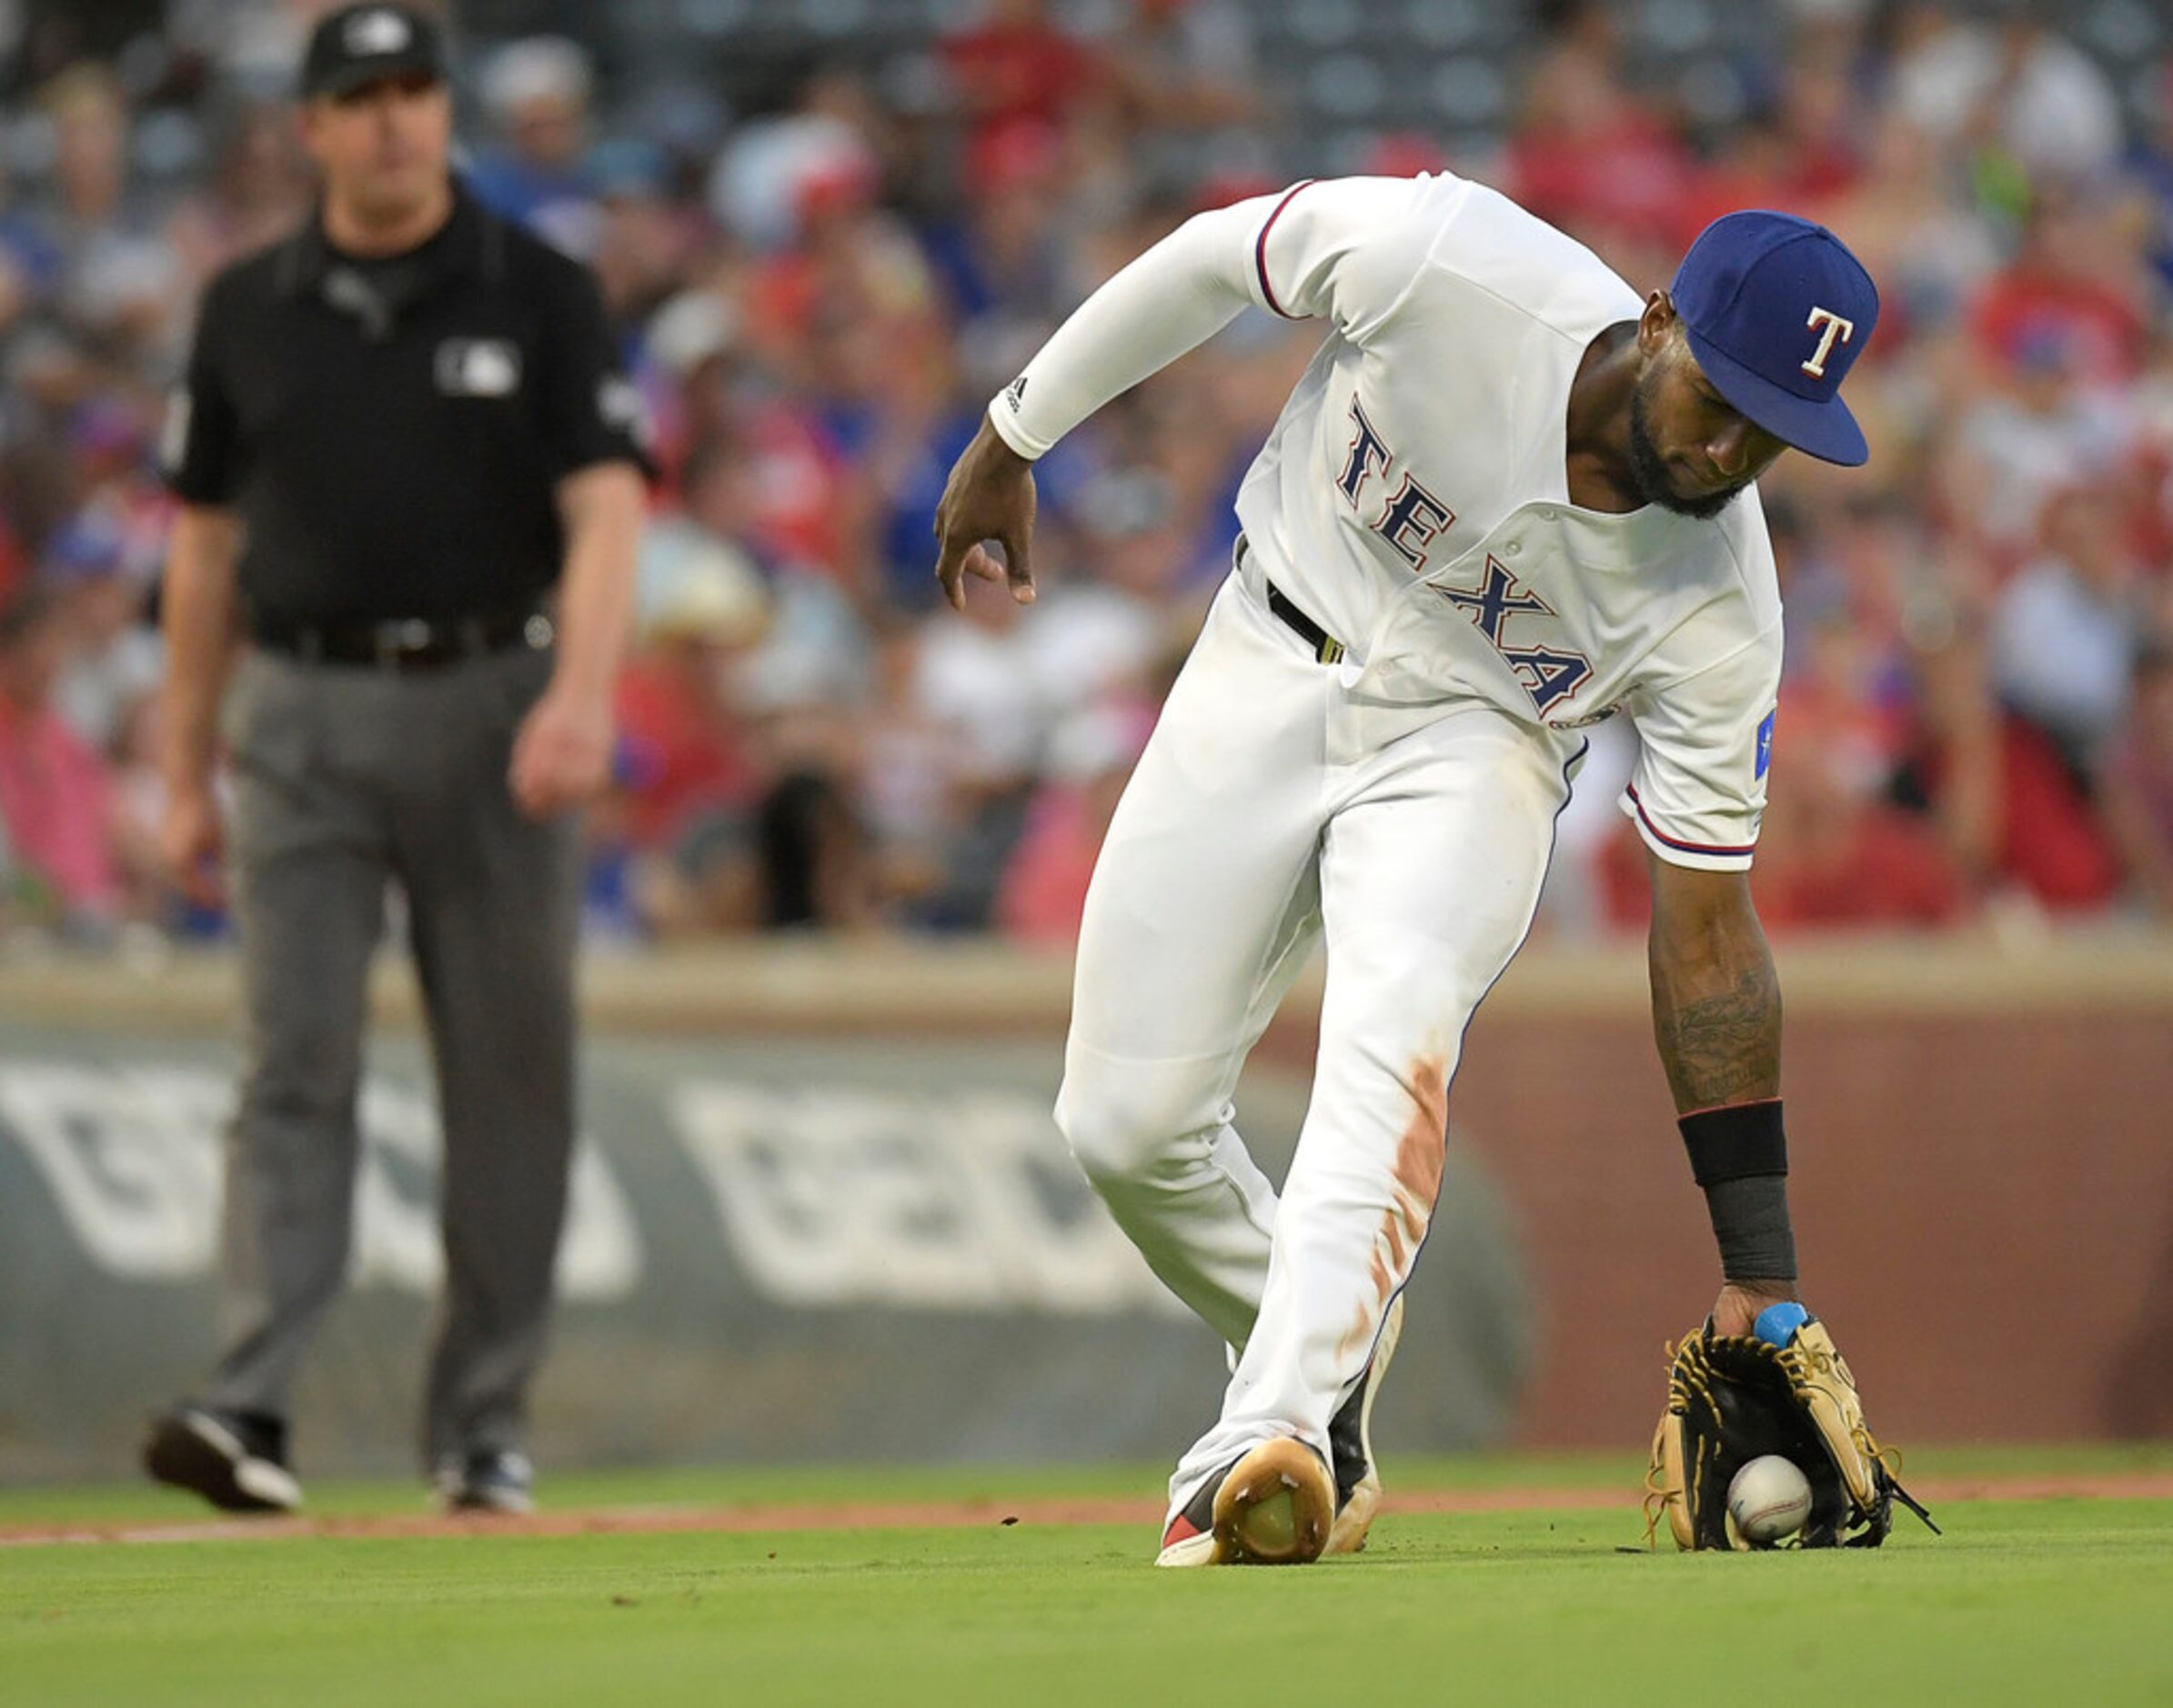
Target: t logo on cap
1835	326
1752	285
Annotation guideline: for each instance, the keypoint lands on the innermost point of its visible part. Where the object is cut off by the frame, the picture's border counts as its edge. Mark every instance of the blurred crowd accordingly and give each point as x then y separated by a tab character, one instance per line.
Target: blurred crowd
820	291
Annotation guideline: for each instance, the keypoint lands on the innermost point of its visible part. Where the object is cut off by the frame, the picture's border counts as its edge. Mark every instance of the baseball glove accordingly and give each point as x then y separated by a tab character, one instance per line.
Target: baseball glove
1735	1398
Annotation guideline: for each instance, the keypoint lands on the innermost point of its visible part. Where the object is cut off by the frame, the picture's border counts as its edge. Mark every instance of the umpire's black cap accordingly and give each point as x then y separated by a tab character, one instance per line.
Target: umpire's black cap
360	43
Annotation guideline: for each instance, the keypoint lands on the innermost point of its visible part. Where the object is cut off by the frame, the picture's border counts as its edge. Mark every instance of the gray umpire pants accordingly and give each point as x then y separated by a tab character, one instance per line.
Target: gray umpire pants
345	777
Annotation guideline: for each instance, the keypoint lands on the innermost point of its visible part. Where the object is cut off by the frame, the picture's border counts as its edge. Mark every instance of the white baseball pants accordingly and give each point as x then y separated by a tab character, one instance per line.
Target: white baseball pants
1276	802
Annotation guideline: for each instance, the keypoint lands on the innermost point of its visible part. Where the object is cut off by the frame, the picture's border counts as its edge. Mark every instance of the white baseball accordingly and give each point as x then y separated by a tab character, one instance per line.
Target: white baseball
1770	1500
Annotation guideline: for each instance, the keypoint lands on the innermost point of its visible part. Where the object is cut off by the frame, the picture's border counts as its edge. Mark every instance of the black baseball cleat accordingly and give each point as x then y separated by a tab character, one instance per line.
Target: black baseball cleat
1273	1506
496	1481
235	1460
1351	1444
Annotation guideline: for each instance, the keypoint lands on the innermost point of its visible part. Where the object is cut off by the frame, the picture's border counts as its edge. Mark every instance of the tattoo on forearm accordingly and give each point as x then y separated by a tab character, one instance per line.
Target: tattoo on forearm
1725	1048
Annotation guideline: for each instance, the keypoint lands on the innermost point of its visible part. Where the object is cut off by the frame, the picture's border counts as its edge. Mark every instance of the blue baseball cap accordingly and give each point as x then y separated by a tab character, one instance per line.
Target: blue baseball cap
1777	310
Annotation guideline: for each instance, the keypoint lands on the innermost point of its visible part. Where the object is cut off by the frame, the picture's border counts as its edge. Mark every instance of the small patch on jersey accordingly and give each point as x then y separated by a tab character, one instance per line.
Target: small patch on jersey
618	403
172	434
1014	393
478	367
1764	756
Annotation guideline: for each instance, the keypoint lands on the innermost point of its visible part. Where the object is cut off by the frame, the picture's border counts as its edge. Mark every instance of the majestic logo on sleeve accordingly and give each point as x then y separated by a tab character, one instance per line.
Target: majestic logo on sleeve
1549	674
1764	762
1829	326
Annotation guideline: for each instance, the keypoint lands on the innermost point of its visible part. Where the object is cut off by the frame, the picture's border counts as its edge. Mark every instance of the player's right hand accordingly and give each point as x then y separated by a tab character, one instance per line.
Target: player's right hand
989	496
189	841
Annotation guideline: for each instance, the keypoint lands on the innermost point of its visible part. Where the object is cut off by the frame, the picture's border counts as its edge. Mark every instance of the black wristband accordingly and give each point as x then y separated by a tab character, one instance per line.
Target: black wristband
1750	1225
1739	1155
1728	1144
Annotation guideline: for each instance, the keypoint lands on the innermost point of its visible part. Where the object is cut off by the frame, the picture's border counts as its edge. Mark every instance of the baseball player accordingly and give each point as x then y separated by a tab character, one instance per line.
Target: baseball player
1507	499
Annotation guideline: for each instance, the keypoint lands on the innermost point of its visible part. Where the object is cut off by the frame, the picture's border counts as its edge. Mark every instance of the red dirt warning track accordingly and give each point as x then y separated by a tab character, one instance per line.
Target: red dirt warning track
2155	1485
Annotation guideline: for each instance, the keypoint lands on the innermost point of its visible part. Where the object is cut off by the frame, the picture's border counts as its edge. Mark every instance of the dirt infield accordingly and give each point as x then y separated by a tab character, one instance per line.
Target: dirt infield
966	1514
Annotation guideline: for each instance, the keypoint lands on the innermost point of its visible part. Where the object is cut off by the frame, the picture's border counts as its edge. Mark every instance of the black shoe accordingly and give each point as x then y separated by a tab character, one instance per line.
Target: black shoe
498	1481
1351	1444
235	1460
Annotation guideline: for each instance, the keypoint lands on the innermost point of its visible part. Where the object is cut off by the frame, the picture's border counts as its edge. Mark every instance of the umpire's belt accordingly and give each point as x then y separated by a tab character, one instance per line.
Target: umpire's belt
1325	647
406	644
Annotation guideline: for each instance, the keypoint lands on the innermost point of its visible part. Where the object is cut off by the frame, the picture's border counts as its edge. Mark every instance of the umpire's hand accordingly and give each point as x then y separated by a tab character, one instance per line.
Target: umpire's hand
189	841
990	496
562	755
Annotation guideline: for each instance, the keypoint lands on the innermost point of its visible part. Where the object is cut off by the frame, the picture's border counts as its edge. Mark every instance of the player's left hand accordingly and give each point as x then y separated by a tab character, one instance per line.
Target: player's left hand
1736	1309
562	755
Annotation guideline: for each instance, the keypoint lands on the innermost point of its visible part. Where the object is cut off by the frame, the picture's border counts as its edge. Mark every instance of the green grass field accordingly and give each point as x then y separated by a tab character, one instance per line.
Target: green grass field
2065	1599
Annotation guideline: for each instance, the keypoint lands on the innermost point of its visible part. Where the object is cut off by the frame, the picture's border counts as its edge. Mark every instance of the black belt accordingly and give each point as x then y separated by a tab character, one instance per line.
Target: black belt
1325	647
414	643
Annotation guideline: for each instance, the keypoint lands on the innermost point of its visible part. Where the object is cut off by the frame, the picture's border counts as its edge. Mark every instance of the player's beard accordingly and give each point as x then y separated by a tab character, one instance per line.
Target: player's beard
1650	471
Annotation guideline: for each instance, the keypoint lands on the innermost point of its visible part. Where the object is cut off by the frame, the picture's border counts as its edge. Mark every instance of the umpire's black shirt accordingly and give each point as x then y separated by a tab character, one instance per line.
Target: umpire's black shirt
390	430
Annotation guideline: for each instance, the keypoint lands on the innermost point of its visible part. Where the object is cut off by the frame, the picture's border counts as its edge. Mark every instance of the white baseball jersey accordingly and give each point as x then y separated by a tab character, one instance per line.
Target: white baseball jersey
1412	497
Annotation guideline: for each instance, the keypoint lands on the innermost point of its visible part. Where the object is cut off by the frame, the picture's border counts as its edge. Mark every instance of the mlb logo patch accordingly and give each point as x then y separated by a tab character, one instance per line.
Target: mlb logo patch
478	367
1764	756
376	31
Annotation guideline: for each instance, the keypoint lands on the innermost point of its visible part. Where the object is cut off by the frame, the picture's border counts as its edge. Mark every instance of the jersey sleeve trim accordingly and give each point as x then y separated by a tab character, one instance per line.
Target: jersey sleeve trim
1713	850
1260	251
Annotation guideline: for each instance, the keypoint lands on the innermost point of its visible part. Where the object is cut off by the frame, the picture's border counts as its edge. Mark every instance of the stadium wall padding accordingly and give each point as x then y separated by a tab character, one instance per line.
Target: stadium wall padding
824	1213
784	1249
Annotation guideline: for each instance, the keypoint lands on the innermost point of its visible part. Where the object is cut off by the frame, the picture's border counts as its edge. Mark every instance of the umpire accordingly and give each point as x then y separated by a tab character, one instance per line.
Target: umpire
409	478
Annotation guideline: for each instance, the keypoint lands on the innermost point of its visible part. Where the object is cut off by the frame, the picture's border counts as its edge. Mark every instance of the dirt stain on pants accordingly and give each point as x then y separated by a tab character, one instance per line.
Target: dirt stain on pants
1416	1185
